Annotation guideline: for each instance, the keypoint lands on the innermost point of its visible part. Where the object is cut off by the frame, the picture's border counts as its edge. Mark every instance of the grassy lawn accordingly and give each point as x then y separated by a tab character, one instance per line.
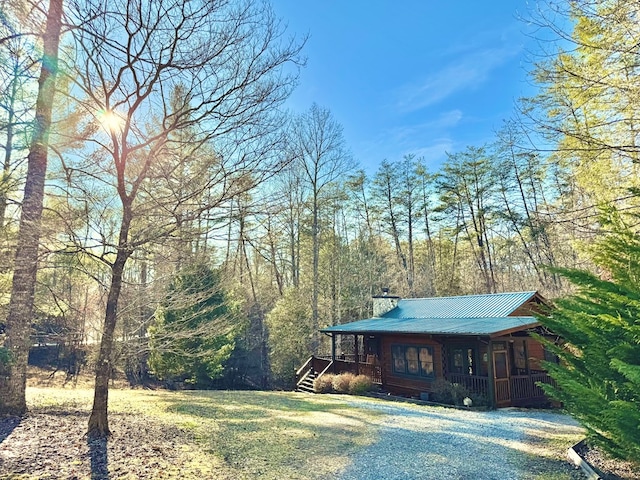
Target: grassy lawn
546	457
217	434
229	435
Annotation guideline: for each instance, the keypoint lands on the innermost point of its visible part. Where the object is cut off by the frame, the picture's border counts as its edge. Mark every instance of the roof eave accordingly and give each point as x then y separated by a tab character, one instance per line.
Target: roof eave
520	328
396	332
499	333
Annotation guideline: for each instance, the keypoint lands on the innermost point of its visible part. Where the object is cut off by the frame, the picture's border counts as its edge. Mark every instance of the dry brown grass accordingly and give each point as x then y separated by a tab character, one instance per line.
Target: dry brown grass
341	382
190	434
323	384
43	378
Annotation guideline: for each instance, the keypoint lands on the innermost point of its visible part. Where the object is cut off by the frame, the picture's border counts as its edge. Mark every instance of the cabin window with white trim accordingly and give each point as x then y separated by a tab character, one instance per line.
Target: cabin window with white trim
413	360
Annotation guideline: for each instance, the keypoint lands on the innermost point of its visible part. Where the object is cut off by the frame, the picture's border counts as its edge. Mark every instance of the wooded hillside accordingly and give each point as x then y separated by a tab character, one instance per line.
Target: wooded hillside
209	172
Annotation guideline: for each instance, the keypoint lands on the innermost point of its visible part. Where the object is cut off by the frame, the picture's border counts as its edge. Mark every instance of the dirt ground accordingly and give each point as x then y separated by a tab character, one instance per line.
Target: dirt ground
611	468
52	445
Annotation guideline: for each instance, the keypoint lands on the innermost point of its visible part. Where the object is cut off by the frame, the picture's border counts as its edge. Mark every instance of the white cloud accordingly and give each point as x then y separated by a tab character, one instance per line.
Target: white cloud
467	72
435	153
445	121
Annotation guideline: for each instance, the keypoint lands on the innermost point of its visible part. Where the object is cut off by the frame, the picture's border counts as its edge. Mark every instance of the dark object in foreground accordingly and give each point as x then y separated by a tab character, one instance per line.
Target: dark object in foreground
596	464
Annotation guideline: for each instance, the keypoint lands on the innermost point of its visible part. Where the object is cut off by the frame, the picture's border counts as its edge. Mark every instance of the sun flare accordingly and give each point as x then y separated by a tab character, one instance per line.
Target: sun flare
110	120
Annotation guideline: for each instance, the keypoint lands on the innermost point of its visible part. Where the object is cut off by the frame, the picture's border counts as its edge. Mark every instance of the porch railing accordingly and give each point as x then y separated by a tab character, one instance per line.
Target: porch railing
515	388
473	383
320	363
346	363
347	357
518	388
525	386
374	372
304	371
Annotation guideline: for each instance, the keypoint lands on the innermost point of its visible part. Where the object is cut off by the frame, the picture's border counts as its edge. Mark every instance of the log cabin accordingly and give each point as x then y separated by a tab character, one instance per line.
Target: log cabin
482	342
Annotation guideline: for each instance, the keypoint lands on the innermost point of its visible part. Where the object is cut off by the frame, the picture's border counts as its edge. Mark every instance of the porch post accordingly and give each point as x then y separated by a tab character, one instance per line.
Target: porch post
333	353
357	354
491	380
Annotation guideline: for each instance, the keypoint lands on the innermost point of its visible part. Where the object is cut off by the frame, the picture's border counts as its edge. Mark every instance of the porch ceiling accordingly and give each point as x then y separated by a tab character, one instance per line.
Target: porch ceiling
491	326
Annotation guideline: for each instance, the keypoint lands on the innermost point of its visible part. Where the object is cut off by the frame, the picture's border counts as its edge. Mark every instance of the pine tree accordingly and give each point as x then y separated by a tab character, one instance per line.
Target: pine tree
193	335
598	376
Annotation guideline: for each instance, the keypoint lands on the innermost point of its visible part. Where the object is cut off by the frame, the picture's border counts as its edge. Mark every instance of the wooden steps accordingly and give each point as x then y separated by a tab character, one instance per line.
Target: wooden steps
306	384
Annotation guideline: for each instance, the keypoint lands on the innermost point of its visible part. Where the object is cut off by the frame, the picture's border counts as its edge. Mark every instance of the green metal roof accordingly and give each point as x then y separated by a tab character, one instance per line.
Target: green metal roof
436	326
463	315
467	306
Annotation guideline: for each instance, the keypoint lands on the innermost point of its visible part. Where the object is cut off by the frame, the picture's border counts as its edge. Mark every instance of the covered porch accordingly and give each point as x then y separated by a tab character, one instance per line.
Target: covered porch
348	363
516	390
497	369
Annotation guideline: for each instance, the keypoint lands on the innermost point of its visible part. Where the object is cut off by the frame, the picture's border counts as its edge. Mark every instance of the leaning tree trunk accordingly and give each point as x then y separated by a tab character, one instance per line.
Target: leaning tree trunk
98	421
13	382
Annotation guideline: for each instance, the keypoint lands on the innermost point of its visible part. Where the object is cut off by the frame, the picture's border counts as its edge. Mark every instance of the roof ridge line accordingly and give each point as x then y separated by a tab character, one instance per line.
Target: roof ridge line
532	292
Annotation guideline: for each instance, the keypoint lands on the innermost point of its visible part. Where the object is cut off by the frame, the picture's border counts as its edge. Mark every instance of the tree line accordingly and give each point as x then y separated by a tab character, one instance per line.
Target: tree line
194	229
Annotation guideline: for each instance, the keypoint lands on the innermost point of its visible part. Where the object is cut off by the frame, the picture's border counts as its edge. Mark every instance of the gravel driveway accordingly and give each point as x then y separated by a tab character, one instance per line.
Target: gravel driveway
418	442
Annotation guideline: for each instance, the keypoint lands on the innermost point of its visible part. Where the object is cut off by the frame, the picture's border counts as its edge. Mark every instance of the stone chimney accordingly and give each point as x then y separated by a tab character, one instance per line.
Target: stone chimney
384	303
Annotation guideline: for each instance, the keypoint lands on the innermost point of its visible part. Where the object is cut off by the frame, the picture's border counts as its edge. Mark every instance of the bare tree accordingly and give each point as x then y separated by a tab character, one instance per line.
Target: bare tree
357	188
17	87
521	176
387	191
233	69
466	190
323	158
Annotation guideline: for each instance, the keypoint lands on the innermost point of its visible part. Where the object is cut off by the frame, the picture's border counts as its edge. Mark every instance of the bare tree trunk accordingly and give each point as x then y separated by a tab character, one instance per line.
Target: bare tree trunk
431	255
294	242
8	149
315	236
98	421
272	250
411	270
385	192
454	256
12	391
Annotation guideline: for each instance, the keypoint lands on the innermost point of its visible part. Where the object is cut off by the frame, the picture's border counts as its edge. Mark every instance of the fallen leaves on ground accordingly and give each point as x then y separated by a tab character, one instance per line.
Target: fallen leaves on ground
51	444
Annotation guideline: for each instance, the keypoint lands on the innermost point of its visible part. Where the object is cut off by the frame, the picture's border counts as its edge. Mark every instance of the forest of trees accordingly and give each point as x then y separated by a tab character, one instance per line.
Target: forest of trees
170	152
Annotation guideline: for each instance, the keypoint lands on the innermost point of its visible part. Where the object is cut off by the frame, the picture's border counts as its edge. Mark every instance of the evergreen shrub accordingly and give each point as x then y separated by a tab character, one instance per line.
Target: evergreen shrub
598	373
443	391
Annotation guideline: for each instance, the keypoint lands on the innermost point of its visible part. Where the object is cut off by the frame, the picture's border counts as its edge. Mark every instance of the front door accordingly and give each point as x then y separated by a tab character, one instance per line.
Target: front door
501	377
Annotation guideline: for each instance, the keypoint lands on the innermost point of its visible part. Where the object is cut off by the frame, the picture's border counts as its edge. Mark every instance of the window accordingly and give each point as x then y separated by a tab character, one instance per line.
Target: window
413	360
519	356
462	360
426	361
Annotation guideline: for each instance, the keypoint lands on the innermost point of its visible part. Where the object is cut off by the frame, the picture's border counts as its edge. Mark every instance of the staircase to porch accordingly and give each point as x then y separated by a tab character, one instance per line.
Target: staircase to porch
306	383
313	368
305	377
316	366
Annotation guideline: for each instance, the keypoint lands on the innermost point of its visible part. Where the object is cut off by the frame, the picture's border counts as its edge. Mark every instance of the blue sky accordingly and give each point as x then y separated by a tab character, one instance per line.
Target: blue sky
411	76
